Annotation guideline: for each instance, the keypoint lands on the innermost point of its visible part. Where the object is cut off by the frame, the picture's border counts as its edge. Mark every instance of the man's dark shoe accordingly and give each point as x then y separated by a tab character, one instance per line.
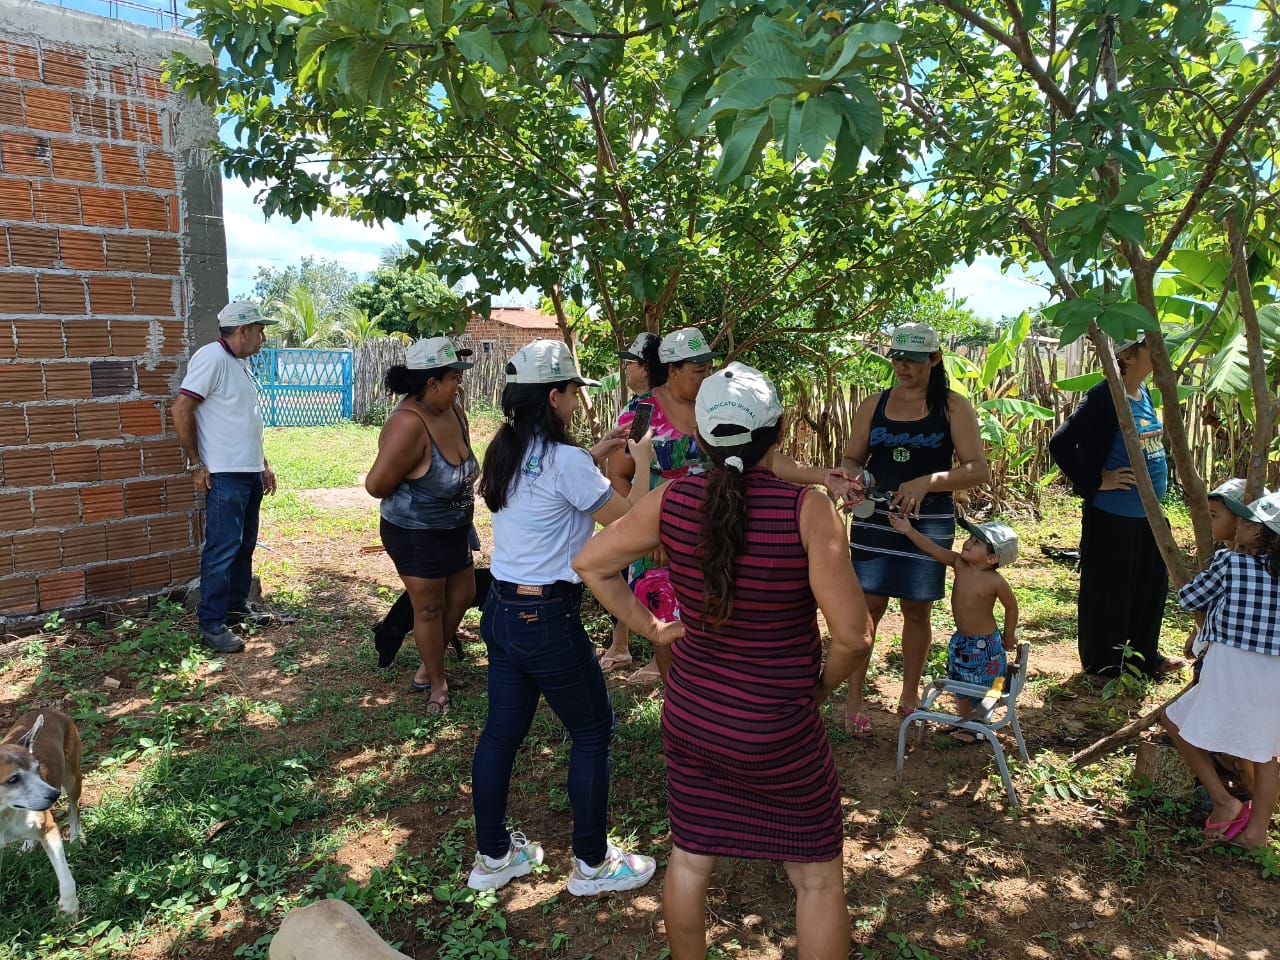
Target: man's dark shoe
223	641
258	617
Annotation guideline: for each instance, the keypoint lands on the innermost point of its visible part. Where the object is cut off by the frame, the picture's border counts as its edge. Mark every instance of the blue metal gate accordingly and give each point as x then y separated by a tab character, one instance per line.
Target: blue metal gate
304	388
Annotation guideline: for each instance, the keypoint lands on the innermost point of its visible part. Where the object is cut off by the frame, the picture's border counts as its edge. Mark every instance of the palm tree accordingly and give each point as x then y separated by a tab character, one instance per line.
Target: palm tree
301	323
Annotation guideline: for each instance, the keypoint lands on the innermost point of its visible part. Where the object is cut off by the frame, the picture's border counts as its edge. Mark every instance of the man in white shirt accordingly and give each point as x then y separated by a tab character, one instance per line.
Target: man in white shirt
218	417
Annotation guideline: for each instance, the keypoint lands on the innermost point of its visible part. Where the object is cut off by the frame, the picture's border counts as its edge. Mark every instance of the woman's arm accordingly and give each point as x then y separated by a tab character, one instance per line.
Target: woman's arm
854	460
837	591
603	558
400	449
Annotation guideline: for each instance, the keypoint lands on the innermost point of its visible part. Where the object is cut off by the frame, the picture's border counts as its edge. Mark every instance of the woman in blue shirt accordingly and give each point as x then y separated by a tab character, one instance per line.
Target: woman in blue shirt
1123	578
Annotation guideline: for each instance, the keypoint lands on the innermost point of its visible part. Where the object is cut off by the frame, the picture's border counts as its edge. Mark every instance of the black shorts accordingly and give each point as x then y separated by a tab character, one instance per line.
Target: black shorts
426	554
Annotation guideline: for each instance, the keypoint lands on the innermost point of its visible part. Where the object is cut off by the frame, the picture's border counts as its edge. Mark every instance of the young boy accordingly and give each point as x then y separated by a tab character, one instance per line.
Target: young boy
977	651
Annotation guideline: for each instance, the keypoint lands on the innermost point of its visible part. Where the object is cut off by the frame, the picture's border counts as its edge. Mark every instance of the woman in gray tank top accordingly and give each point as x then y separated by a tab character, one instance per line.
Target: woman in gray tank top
424	474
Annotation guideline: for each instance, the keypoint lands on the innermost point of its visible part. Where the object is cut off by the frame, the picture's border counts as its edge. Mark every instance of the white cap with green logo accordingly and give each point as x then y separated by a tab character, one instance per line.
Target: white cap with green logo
685	345
546	361
1266	510
913	341
434	353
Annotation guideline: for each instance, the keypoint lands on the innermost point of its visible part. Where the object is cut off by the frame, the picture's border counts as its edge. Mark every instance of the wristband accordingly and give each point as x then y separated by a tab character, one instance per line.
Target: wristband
193	467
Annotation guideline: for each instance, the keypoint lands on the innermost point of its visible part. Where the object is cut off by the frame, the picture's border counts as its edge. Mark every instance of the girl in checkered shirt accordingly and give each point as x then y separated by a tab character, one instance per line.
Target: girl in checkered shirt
1234	708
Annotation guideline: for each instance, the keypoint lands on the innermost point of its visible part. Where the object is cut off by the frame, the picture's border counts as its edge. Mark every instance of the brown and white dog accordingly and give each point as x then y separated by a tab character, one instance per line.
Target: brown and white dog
39	759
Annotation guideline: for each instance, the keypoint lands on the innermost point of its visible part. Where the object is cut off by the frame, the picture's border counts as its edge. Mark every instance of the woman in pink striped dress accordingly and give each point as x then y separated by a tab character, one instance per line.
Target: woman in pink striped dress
750	771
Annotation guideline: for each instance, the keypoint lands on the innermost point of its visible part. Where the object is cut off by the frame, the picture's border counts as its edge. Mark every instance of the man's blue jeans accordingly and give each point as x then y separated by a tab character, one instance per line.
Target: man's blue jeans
537	645
230	534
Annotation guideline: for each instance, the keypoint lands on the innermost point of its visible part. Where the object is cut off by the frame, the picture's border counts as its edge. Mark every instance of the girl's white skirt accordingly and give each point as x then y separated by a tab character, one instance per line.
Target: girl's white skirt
1235	708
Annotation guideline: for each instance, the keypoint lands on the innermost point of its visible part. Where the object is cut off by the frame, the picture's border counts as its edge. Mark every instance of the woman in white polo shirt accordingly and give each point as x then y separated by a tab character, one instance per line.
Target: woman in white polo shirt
546	494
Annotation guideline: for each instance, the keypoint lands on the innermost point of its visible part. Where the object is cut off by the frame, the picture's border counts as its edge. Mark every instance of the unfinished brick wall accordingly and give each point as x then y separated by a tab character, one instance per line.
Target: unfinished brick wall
95	504
508	337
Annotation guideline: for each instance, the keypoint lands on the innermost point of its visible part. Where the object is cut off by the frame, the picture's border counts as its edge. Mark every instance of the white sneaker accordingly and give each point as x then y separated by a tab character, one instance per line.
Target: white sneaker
619	871
522	856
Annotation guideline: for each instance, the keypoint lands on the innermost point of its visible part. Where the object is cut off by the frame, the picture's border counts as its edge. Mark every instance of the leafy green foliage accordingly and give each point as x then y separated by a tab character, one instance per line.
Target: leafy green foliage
403	300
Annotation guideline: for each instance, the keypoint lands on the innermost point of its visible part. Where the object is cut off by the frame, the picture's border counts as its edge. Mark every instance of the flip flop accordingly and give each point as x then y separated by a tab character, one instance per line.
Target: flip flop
614	661
963	736
904	711
438	708
858	724
1229	830
647	674
426	687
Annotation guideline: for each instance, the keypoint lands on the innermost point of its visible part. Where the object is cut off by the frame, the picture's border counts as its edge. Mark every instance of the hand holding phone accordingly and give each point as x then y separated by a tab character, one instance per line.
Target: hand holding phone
640	425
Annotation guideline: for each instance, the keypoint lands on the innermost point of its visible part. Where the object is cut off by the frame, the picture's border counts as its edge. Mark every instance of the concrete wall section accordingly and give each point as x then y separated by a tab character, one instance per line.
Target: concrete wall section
112	262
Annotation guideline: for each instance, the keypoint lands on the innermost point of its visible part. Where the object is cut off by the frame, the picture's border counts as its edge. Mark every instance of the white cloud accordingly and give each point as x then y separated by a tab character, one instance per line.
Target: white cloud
990	293
254	242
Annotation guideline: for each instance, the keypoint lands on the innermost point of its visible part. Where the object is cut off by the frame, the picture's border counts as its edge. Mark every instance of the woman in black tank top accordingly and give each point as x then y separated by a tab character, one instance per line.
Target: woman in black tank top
920	440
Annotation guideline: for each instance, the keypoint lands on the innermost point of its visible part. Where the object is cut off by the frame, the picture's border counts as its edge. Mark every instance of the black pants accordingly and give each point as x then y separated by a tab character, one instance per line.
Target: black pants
1123	587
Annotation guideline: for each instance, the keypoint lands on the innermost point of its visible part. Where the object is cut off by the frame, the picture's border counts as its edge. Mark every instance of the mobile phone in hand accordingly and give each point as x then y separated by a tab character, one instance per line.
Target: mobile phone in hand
640	425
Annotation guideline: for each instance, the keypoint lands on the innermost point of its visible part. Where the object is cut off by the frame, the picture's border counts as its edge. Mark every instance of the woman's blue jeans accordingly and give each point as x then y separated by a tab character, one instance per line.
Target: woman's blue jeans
230	533
537	646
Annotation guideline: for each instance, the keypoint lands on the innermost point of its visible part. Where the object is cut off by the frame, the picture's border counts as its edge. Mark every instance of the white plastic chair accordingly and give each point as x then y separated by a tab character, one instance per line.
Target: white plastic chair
999	718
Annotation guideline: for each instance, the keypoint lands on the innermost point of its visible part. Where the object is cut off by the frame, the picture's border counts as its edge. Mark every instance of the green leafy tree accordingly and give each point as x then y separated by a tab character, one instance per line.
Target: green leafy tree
610	155
327	282
409	300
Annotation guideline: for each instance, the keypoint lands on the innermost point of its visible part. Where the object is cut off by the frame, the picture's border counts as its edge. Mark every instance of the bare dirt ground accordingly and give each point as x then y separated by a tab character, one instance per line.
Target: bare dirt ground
939	866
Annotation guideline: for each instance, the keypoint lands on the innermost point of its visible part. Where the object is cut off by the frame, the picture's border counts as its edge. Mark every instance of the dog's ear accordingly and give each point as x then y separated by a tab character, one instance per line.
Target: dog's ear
28	739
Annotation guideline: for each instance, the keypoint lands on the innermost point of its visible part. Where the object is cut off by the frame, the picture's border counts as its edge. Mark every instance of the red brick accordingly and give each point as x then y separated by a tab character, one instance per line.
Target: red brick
106	582
20	61
166	256
18	595
153	84
18	293
67	381
149	574
140	418
58	590
130	338
34	552
75	465
94	117
105	502
141	123
128	253
15	198
57	507
6	556
160	170
13	425
124	81
25	155
32	247
184	566
38	339
64	67
120	461
143	497
180	492
97	421
170	532
127	539
84	545
175	216
102	207
79	250
48	109
10	104
15	511
146	211
8	349
4	254
74	161
61	293
160	457
27	467
153	297
51	424
122	165
111	295
157	380
88	338
55	203
173	337
21	382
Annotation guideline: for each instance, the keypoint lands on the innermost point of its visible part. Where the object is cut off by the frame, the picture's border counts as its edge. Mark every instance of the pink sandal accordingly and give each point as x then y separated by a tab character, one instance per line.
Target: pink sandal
858	724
